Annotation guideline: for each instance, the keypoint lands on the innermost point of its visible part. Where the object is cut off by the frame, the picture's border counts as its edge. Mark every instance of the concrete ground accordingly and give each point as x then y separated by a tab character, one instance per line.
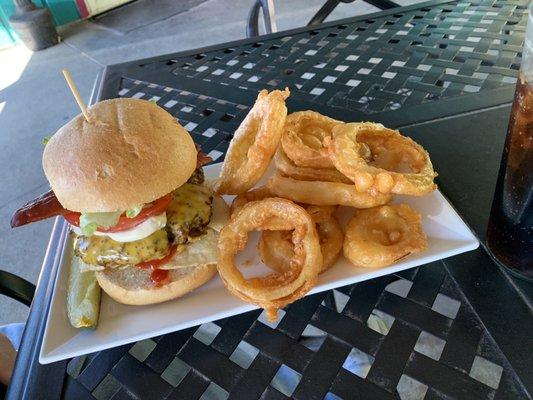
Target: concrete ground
35	101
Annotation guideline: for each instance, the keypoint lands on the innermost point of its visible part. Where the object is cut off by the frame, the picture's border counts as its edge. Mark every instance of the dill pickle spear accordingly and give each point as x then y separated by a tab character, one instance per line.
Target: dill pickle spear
83	296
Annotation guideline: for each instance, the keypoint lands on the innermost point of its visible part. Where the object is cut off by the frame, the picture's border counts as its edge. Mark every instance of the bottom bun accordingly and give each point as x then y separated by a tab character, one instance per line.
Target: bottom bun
133	285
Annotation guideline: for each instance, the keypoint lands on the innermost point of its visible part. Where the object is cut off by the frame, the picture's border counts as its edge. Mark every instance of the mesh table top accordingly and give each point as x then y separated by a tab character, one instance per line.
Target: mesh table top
379	63
412	336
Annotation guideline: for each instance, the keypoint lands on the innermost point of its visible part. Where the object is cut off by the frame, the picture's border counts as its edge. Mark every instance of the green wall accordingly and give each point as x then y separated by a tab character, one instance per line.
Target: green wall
63	11
6	35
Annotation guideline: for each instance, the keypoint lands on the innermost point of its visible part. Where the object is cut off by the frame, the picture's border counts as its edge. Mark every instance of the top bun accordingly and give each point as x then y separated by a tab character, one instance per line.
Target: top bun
132	152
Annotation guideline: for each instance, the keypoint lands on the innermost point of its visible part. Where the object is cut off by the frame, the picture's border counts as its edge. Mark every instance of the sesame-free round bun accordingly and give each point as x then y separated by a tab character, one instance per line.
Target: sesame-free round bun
133	286
132	152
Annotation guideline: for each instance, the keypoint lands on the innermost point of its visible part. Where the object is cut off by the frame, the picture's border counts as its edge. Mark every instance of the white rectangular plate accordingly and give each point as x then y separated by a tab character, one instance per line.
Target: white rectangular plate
119	324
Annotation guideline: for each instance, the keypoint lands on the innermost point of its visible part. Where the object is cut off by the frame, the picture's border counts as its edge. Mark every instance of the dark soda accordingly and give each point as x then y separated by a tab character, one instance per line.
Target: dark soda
510	231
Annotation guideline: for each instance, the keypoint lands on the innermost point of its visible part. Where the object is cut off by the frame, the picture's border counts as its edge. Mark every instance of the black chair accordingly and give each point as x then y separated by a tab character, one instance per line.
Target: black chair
267	8
18	289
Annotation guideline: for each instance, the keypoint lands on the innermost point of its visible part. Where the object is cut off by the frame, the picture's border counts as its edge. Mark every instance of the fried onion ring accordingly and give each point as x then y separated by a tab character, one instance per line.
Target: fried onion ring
275	290
397	164
276	249
380	236
322	193
259	193
303	136
318	213
288	168
254	143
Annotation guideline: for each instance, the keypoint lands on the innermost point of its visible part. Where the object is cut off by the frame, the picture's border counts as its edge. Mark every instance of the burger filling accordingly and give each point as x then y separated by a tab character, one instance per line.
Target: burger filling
159	236
185	219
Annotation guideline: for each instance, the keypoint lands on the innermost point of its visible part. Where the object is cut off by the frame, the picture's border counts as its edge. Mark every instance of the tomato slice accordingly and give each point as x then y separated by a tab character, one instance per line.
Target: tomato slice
125	223
154	264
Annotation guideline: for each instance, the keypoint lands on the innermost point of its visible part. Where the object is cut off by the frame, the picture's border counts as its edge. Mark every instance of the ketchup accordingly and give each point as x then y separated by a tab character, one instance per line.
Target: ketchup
159	276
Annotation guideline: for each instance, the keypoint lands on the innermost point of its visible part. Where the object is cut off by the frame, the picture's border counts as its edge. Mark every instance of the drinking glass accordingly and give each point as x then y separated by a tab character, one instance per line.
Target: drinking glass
510	230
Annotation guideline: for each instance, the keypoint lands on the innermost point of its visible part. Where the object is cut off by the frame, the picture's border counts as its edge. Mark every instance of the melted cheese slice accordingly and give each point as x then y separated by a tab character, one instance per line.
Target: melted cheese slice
102	250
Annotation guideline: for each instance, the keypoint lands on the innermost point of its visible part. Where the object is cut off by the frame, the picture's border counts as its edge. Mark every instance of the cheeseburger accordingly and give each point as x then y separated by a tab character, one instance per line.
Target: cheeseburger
131	185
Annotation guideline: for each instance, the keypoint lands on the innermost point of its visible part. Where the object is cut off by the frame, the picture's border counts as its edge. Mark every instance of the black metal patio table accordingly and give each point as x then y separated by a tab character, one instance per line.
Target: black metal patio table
443	72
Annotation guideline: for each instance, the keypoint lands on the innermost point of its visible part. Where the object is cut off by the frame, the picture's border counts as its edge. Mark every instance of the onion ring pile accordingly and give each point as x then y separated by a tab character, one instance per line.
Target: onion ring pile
275	290
254	143
377	237
321	163
323	193
303	137
397	164
276	248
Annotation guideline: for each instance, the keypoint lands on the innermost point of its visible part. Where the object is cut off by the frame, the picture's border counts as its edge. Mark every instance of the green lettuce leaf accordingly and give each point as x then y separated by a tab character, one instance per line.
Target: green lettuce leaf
134	211
46	139
90	222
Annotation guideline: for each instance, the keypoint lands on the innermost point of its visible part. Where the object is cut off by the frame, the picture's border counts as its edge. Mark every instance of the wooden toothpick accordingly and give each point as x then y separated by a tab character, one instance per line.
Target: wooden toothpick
76	93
